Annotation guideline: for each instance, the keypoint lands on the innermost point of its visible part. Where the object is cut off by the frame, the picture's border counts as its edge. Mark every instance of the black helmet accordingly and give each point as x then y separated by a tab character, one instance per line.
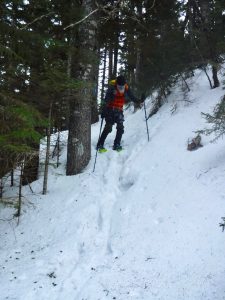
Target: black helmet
120	80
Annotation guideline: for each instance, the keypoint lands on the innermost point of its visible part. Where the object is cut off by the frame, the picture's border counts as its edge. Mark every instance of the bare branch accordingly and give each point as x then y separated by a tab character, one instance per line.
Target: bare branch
99	8
86	17
134	18
37	19
153	4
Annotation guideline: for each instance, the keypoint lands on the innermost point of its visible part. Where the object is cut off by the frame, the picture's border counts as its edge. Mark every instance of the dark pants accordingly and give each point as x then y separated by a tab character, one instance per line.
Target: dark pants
112	116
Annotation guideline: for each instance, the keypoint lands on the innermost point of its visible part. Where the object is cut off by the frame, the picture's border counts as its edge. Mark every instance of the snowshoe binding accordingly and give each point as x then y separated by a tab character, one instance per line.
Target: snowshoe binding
101	149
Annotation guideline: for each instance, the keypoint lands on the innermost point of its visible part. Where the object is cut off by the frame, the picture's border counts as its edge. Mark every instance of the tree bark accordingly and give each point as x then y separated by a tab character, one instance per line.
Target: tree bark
138	52
30	172
45	183
207	29
103	75
94	98
202	25
82	69
115	56
110	65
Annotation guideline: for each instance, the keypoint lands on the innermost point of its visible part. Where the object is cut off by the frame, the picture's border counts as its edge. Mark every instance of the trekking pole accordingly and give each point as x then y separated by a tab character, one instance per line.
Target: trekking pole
146	119
98	141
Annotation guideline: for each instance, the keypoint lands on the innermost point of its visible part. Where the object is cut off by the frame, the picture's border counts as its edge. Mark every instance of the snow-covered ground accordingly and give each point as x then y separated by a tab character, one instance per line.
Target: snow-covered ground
143	226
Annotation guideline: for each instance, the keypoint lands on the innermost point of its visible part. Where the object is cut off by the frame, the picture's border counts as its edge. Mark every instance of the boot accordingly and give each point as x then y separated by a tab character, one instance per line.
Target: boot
117	147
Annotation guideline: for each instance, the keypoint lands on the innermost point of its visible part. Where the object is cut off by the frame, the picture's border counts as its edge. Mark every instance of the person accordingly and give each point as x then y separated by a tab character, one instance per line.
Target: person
117	95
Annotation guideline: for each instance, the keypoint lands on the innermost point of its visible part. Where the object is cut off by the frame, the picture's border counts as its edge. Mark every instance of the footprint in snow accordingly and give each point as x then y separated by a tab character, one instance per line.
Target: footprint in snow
158	221
125	185
100	220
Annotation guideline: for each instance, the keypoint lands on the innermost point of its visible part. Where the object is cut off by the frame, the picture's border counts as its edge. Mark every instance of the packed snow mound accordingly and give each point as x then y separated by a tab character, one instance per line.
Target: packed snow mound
144	225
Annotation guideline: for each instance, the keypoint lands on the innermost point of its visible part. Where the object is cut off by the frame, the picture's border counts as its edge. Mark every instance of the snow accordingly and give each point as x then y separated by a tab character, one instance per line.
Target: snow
144	225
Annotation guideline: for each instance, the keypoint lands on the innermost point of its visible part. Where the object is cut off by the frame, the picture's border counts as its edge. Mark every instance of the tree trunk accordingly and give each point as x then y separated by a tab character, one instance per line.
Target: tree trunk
12	178
201	12
139	60
1	189
45	183
138	52
138	67
18	213
82	69
110	66
103	75
207	29
30	172
215	76
115	55
94	98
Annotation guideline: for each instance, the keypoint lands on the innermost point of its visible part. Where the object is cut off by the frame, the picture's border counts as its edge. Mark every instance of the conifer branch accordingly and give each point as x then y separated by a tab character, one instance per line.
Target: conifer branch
109	13
99	8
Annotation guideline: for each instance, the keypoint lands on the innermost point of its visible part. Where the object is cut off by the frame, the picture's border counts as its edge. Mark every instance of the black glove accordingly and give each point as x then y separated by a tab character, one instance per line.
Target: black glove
103	112
142	97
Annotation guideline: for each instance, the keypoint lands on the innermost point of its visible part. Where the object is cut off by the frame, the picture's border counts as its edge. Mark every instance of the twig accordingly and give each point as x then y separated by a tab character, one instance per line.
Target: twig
185	82
134	18
80	21
153	4
37	19
99	8
29	186
7	220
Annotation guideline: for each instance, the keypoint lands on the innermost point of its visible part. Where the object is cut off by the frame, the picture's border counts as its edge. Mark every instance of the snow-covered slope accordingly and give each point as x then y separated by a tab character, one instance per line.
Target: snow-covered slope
144	225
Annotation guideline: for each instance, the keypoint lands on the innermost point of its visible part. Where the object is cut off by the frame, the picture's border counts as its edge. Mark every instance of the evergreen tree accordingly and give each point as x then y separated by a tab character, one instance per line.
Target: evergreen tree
217	120
46	63
202	19
33	67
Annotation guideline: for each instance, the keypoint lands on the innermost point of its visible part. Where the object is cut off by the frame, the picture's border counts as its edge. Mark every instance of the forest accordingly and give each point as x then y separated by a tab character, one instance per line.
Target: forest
144	221
58	56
